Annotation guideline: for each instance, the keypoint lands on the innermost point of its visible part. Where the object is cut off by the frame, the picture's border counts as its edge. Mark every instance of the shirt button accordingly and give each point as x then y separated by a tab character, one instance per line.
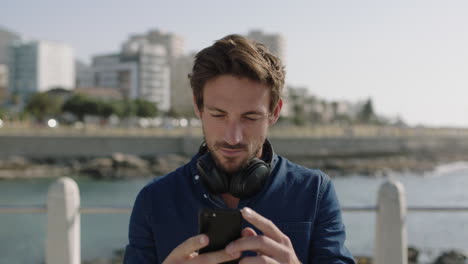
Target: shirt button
206	196
197	177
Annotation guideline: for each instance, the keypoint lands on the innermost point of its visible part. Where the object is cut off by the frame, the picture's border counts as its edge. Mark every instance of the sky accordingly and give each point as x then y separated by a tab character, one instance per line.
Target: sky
409	56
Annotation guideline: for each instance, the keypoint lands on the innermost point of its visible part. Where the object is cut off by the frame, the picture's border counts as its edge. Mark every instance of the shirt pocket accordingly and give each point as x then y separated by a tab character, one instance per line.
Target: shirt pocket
300	234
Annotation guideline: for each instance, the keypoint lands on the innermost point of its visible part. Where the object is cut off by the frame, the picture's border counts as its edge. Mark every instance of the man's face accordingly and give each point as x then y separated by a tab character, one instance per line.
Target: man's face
235	118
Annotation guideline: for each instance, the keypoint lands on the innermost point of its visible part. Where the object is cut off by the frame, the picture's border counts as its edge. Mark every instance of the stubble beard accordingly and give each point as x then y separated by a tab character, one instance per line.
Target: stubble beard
232	165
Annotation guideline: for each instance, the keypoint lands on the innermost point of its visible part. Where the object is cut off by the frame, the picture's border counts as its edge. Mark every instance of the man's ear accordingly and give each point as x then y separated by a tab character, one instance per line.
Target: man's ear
276	112
195	107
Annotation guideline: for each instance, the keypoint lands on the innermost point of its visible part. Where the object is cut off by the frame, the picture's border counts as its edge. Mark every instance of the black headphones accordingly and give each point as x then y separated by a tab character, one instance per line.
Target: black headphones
244	184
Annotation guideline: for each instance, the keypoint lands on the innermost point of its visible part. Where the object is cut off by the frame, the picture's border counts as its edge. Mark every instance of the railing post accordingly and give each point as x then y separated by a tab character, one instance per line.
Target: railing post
63	223
391	237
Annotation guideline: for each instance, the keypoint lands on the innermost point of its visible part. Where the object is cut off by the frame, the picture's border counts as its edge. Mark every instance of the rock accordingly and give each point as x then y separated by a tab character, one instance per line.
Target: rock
15	162
119	166
363	260
117	258
98	261
34	171
164	164
413	254
130	166
128	161
99	168
126	173
451	257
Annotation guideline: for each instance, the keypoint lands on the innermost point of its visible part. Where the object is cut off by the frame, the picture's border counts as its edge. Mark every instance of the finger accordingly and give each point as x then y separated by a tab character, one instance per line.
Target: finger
248	232
219	256
257	260
263	224
189	246
260	244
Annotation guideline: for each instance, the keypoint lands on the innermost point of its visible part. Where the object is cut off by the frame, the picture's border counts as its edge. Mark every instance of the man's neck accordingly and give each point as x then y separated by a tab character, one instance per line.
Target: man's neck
230	200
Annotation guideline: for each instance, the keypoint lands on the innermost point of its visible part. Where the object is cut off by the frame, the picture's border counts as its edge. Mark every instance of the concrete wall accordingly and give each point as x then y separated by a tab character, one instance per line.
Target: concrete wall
76	146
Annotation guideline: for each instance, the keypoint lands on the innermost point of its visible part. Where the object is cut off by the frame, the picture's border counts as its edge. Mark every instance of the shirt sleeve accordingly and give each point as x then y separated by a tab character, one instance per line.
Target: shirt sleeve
329	233
141	247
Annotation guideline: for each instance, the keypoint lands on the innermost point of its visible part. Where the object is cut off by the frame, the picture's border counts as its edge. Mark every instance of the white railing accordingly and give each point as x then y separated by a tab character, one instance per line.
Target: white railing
63	243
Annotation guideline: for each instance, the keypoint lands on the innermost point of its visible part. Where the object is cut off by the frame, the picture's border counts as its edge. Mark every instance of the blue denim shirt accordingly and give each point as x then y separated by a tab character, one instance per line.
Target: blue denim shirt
300	201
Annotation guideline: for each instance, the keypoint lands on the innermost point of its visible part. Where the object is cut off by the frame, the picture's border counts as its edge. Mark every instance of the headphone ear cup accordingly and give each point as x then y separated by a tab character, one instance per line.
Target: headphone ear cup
211	177
250	180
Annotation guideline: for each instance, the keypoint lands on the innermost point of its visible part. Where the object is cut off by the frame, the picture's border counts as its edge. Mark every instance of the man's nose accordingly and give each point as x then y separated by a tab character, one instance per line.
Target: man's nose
233	133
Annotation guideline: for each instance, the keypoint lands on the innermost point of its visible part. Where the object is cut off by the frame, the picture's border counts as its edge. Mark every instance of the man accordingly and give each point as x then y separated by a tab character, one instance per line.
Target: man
291	214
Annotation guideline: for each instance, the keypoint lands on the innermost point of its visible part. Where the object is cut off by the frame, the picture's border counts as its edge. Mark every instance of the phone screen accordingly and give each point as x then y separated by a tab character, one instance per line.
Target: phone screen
221	225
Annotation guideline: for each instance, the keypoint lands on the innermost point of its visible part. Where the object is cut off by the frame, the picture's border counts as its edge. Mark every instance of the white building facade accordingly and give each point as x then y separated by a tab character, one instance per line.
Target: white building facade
175	59
173	43
181	92
40	66
3	83
3	76
139	71
276	43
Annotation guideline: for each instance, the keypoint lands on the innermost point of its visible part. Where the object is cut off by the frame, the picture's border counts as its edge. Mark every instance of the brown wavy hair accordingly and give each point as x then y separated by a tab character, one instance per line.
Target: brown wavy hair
241	57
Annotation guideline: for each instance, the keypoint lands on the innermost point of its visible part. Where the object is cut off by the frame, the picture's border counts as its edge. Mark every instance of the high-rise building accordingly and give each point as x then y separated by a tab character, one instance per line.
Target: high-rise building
3	75
113	72
3	82
84	75
140	70
176	62
40	66
276	43
181	92
7	38
174	44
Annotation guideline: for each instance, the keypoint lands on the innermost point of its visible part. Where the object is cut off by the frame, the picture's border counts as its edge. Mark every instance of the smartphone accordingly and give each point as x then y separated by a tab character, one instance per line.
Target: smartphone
221	225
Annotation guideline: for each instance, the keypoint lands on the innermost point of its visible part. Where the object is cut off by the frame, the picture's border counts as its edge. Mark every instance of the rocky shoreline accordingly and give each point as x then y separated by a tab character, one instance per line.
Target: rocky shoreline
445	257
379	165
118	166
124	166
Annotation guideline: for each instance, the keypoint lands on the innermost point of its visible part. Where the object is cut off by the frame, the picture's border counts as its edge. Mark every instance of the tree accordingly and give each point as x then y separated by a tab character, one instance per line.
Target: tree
77	106
41	105
81	105
3	113
367	115
299	115
128	108
145	108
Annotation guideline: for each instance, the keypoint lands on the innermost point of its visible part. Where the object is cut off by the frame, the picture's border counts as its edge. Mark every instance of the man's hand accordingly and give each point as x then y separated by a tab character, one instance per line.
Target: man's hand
186	253
272	247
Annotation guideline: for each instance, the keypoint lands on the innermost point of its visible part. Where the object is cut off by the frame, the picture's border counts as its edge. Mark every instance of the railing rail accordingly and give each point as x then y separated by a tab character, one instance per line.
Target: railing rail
42	209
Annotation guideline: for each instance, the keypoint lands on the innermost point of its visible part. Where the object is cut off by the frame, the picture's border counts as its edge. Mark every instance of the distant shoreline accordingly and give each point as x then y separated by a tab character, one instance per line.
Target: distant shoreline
125	166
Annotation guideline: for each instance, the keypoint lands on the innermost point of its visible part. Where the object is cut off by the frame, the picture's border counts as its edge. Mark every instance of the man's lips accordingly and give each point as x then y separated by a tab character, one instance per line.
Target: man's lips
230	152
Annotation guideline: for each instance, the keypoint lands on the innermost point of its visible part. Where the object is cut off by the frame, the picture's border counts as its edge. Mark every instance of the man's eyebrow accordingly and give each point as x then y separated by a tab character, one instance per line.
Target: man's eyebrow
212	108
253	113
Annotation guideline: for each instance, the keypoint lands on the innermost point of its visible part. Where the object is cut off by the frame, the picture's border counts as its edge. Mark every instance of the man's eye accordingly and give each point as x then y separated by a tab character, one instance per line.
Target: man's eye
251	118
217	115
